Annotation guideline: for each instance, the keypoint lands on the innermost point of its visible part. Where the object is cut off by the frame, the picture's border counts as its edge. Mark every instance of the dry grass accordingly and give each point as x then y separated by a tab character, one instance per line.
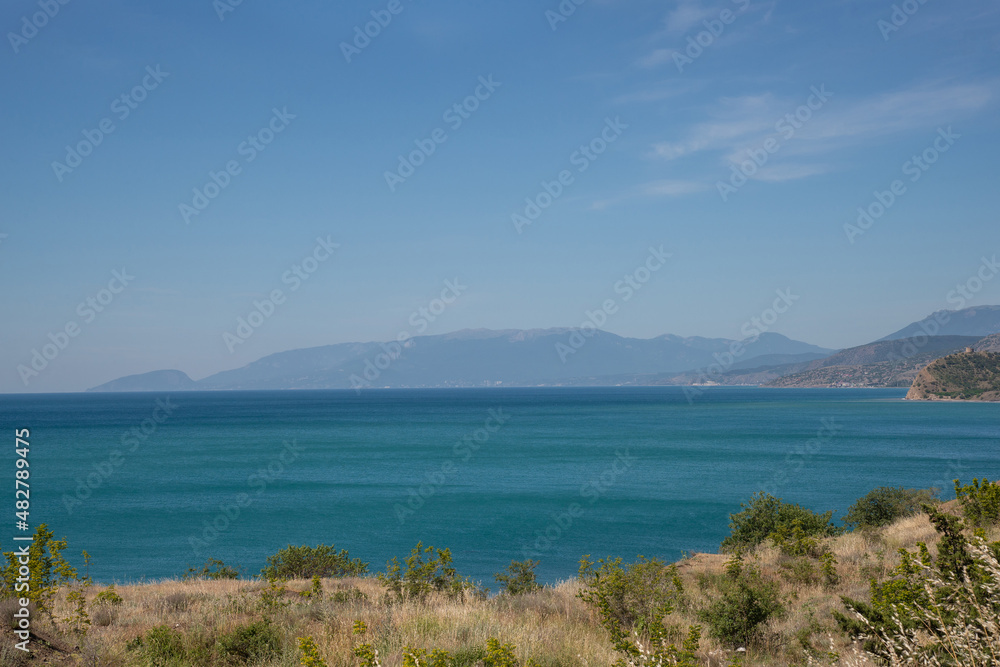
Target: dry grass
552	626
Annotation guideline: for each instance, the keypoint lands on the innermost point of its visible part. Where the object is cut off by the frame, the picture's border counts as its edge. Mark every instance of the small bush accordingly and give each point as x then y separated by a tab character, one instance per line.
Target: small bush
309	653
162	646
633	595
306	562
800	571
414	657
939	610
213	569
48	570
79	620
766	515
104	616
499	655
980	502
108	597
747	602
250	643
423	577
520	577
884	505
793	540
632	600
348	595
829	570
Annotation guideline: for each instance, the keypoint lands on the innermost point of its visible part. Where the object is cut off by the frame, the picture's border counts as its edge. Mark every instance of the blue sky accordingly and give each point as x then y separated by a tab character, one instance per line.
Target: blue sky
889	91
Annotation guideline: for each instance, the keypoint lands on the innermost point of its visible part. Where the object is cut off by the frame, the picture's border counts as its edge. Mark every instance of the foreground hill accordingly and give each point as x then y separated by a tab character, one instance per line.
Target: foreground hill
966	376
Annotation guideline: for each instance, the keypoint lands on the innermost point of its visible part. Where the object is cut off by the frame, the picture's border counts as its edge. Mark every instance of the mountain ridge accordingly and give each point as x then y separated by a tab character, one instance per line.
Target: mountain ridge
574	356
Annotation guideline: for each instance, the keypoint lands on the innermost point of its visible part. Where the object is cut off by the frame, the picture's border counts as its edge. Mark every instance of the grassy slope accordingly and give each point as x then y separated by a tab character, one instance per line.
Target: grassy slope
552	626
962	376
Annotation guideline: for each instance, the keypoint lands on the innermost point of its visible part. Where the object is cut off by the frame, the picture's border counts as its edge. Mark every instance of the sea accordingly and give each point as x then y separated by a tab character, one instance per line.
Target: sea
153	484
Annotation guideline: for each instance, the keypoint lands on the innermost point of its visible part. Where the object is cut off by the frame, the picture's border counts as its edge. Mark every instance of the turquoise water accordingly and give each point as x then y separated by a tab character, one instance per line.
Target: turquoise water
601	471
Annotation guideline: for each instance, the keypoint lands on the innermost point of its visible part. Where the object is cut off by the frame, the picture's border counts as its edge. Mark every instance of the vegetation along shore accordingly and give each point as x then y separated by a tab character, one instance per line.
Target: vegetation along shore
906	579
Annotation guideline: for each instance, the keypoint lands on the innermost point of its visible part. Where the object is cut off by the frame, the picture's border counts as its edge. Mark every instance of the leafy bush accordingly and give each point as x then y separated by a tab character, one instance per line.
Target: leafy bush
108	597
747	602
212	569
980	502
348	595
419	657
104	616
766	515
829	569
48	570
884	505
250	643
935	611
793	540
305	562
520	577
309	653
162	646
421	577
79	620
632	596
632	600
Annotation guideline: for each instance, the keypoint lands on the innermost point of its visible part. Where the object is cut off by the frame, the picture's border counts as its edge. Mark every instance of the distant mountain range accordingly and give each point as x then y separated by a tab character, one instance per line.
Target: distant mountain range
475	358
556	357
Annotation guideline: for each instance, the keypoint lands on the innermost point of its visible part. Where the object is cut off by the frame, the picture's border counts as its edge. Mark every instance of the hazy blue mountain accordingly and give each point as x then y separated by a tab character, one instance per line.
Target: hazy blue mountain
979	321
155	381
487	357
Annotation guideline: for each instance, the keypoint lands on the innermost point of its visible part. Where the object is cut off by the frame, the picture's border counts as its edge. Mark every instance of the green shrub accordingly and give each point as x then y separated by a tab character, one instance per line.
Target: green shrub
793	540
884	505
162	646
413	657
766	515
631	595
747	602
48	570
500	655
800	570
79	620
309	653
348	595
212	569
250	643
632	600
421	577
306	562
109	597
365	651
829	569
980	502
939	610
520	577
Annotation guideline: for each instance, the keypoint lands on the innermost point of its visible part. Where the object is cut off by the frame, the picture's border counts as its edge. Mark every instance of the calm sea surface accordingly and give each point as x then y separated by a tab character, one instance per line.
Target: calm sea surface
494	474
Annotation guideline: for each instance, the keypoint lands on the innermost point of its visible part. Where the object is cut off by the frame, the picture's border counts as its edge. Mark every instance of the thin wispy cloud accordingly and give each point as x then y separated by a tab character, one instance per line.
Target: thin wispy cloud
738	124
